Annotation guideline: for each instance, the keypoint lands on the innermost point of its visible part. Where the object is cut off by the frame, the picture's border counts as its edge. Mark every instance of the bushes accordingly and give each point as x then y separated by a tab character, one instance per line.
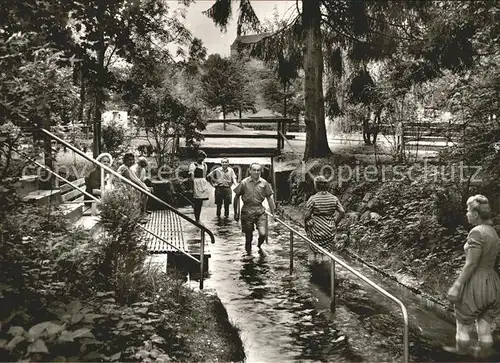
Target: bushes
65	296
124	253
115	138
145	149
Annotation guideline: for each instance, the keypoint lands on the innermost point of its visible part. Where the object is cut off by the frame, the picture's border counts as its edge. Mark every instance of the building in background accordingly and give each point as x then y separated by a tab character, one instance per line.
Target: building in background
242	41
120	117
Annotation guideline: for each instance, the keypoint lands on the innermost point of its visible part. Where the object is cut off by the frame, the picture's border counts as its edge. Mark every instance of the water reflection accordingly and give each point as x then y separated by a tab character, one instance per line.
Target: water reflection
285	318
252	273
278	316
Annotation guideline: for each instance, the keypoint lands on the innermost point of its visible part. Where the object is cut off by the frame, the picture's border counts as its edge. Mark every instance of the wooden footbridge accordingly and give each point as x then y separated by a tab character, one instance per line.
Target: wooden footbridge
223	148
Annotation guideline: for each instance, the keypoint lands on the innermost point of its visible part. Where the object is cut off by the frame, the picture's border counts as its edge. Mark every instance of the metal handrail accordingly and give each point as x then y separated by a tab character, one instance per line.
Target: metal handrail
96	200
202	228
334	259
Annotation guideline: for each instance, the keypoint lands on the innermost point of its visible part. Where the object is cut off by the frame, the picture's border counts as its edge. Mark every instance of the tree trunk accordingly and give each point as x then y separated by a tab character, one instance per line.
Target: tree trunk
224	117
366	131
316	140
99	95
48	178
81	106
285	93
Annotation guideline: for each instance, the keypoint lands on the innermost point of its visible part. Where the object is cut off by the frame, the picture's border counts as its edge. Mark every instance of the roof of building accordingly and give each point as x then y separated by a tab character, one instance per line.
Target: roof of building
249	39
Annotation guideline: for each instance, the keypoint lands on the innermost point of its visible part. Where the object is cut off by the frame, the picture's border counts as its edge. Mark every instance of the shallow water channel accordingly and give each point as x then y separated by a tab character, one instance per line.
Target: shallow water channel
285	318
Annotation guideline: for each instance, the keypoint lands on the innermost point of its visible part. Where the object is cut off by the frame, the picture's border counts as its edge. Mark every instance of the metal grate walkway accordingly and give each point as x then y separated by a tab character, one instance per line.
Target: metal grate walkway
175	230
167	225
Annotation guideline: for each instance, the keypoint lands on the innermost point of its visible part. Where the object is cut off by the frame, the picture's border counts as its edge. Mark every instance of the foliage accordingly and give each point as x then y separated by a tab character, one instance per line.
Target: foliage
197	56
224	87
167	118
368	29
115	138
145	149
9	135
56	299
162	97
125	253
247	91
34	89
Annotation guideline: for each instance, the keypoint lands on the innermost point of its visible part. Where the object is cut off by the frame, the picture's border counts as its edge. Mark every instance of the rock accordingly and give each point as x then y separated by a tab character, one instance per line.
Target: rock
362	207
374	204
368	196
370	216
353	216
365	217
349	219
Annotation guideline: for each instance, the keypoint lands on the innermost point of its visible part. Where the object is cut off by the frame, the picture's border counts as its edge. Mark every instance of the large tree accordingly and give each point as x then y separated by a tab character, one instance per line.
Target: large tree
120	27
224	86
318	31
151	94
92	34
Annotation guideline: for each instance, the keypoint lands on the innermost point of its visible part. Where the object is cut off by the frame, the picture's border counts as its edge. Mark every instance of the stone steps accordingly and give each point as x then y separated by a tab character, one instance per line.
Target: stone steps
43	197
90	224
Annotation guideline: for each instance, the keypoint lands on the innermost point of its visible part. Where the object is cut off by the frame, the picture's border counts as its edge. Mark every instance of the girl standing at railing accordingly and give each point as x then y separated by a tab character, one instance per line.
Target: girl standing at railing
319	218
476	291
198	173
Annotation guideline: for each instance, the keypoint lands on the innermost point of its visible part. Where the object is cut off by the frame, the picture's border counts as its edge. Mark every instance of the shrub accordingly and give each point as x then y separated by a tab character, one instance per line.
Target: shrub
124	252
115	138
145	149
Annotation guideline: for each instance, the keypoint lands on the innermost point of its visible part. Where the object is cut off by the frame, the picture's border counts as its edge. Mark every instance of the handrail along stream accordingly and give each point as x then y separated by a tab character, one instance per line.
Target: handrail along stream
96	200
202	228
334	259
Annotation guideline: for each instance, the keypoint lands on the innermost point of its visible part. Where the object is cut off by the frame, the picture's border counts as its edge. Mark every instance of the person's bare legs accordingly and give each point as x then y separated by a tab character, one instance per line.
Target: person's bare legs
248	241
484	338
462	339
197	203
262	235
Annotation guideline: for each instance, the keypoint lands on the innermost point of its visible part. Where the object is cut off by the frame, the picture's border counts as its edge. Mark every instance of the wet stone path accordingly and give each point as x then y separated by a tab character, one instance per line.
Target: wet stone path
285	318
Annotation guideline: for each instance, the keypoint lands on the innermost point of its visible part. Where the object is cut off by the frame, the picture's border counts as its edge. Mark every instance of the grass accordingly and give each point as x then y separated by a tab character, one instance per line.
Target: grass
198	321
212	337
230	127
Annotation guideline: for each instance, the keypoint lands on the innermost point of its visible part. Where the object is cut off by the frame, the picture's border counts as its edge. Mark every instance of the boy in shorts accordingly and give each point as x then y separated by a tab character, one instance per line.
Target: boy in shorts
253	191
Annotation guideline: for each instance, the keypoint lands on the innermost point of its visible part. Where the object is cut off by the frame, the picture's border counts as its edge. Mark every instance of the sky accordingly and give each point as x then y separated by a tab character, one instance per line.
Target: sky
213	38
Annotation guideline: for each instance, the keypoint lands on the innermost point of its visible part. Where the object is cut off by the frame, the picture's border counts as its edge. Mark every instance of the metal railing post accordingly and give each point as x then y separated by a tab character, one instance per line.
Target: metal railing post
379	289
202	259
291	253
332	285
96	201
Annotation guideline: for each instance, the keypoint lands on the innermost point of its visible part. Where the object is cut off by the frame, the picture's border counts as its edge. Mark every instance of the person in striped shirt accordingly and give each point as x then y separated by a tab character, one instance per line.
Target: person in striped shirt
320	219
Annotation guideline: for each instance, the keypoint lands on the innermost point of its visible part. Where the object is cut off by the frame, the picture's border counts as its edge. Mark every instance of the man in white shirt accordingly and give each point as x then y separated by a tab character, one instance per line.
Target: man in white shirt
222	179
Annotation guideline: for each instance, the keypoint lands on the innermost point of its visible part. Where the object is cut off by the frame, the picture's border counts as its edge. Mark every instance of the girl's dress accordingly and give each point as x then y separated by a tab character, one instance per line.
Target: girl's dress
480	295
200	183
321	226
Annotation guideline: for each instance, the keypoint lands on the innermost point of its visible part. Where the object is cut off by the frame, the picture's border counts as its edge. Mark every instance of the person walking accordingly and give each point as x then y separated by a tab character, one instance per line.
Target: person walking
253	190
222	179
476	291
198	173
124	170
319	218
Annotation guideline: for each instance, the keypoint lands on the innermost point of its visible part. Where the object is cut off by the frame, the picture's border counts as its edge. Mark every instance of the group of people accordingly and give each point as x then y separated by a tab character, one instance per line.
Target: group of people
320	217
253	190
475	293
133	170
